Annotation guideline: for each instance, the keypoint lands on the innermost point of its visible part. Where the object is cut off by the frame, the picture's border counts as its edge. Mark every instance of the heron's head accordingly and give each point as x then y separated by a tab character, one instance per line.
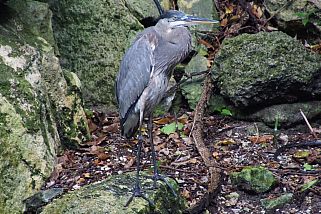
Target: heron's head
178	18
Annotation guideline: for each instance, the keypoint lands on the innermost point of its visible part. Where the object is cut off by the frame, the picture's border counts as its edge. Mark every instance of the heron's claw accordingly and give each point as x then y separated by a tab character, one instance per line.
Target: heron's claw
157	177
138	193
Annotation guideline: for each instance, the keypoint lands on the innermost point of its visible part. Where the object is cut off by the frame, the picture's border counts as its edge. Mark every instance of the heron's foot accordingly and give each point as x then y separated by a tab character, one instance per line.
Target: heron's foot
138	193
157	177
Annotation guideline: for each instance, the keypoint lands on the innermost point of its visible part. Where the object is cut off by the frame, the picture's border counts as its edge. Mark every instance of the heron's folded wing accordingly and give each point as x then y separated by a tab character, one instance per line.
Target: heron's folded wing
134	73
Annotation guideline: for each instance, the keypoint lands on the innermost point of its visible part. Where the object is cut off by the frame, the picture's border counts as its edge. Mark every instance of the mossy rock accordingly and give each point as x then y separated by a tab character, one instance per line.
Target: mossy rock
253	71
254	179
33	95
92	37
273	203
110	196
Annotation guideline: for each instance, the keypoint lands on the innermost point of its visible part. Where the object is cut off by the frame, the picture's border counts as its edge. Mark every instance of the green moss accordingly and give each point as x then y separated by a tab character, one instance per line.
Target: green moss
110	195
258	65
92	37
254	179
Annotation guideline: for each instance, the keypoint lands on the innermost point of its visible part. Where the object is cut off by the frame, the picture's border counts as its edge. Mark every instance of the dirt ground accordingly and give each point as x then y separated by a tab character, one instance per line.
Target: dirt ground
233	145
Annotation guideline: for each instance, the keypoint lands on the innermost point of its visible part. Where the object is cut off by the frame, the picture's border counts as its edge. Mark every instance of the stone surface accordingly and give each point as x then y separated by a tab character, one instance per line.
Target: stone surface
254	179
286	114
41	198
110	196
260	70
33	93
274	203
142	9
92	37
292	18
192	89
201	8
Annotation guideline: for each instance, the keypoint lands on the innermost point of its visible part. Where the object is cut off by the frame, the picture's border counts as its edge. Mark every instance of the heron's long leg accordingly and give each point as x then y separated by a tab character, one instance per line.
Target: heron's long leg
137	189
150	134
156	175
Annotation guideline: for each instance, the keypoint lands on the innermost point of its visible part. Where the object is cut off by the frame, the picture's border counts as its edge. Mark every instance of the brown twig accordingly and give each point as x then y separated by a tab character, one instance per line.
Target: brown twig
298	145
197	133
308	124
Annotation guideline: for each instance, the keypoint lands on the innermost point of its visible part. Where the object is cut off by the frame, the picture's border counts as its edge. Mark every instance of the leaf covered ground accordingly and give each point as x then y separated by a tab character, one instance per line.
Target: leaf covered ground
233	146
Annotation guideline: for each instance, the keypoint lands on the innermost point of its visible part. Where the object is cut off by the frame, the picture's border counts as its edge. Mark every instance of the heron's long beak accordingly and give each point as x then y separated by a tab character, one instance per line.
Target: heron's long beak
198	20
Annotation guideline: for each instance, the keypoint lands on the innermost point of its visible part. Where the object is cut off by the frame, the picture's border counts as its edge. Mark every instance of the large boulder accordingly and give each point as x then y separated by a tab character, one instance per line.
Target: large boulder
36	105
110	196
297	18
92	37
266	69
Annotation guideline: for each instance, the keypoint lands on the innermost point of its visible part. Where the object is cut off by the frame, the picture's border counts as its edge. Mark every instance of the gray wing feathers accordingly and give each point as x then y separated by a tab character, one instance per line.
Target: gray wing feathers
134	73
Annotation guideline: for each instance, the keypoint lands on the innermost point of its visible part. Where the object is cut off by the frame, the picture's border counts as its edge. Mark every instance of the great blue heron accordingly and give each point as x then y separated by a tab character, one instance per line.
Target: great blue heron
144	74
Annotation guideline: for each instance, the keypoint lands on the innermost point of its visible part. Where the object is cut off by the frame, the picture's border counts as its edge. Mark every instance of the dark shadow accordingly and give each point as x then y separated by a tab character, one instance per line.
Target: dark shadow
5	12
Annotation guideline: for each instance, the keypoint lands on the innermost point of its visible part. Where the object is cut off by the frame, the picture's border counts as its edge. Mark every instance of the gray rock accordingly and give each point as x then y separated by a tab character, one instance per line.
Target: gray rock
92	37
41	198
295	16
110	196
260	70
33	95
254	179
192	89
273	203
204	8
142	9
286	114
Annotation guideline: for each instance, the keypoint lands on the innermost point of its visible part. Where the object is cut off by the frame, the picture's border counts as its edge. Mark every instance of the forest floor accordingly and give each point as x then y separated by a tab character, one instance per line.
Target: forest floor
233	145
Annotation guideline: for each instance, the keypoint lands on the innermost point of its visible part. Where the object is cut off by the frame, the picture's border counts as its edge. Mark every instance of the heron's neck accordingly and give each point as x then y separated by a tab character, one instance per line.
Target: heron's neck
175	35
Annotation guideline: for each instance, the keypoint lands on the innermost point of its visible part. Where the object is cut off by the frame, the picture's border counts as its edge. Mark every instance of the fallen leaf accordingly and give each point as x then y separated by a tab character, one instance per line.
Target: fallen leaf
175	137
130	163
95	150
261	139
113	128
165	151
92	126
224	22
301	154
102	156
309	184
183	119
171	128
186	194
160	147
87	175
257	11
97	141
80	180
226	142
216	155
229	9
163	121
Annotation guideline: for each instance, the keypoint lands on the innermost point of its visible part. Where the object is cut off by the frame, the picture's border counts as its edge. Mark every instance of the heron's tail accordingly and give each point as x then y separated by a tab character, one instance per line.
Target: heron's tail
129	124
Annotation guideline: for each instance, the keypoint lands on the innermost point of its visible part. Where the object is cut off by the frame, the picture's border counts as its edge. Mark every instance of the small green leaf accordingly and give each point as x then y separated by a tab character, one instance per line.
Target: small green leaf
305	16
308	185
308	167
171	128
301	154
301	15
305	21
226	112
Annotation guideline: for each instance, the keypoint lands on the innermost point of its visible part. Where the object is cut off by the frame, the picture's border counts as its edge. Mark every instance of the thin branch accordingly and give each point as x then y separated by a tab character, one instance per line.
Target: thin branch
308	124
